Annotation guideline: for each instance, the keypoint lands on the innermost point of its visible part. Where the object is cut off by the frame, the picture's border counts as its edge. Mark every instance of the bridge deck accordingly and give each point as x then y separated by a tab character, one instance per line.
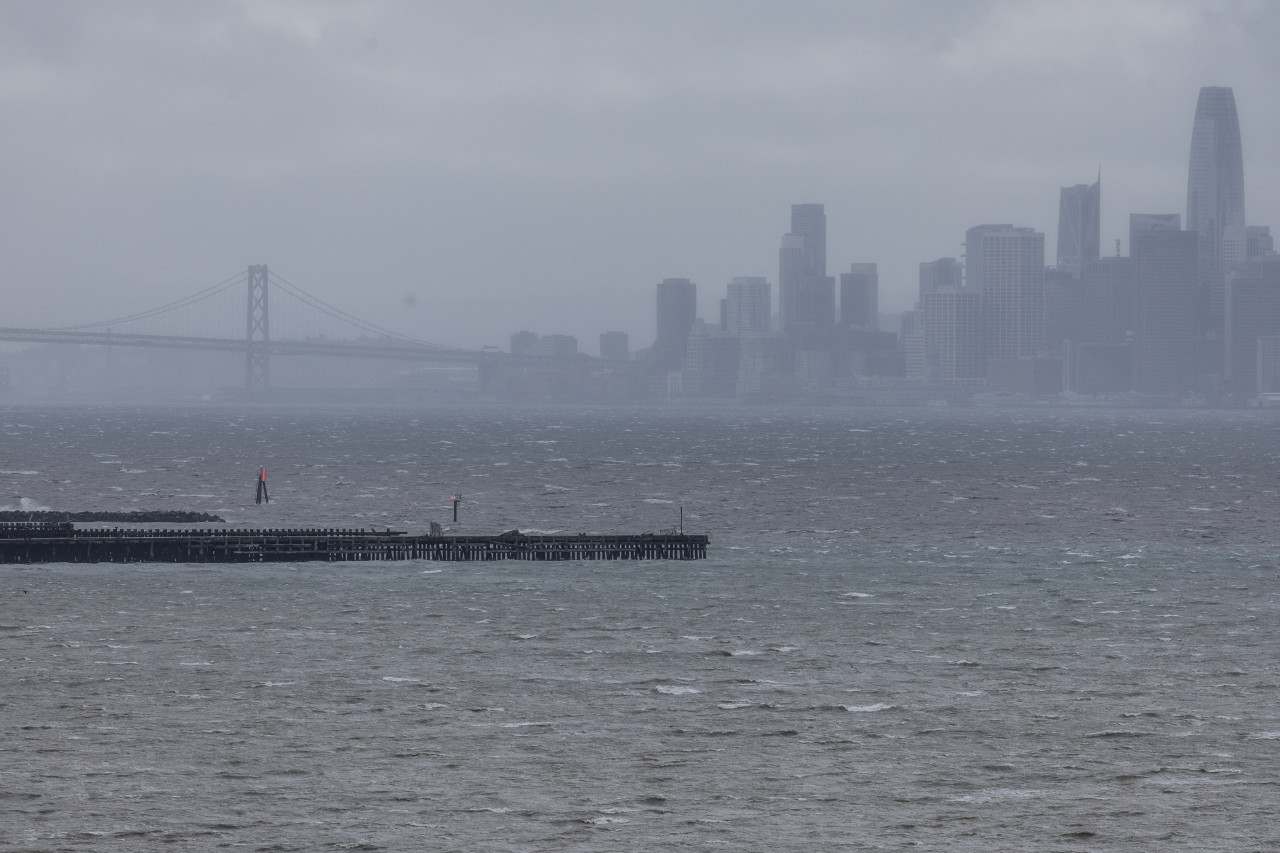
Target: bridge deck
62	543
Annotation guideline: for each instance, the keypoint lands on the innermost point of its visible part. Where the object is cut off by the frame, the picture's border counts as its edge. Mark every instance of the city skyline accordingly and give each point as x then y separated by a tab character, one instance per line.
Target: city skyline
457	173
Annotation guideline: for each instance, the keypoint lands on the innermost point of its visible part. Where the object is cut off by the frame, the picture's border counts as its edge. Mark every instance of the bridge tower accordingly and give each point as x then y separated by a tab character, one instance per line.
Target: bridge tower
257	340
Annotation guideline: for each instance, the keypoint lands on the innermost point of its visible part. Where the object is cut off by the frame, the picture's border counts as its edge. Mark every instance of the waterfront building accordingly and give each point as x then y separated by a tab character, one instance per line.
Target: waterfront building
1166	304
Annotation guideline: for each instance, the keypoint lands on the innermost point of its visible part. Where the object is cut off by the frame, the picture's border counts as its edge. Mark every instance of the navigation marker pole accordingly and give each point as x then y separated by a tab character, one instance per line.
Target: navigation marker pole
262	487
456	499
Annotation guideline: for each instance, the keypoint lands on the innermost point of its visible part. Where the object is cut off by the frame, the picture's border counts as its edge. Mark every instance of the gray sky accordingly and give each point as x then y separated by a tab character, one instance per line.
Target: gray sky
461	170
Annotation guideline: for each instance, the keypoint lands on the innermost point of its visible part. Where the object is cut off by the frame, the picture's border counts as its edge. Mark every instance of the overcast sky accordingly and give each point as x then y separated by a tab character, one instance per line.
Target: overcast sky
461	170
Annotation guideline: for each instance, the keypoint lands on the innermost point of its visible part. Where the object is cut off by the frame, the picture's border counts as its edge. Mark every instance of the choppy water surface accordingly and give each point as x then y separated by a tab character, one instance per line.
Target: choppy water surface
959	630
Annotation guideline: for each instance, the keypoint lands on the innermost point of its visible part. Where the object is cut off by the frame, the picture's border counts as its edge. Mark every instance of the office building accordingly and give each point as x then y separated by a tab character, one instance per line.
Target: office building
944	272
524	343
949	326
1166	304
1258	242
1063	308
747	306
1005	265
806	294
911	340
1252	312
1079	225
677	309
860	297
711	360
1215	196
1106	311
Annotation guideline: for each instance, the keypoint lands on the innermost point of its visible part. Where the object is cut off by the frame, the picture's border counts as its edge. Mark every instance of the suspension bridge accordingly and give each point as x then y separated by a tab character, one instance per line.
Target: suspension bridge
259	314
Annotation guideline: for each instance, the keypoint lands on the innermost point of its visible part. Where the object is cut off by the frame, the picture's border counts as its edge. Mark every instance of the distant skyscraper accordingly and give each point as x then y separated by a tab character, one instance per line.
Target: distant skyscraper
747	307
1107	301
1006	265
806	295
1252	312
677	309
860	296
1079	224
1166	304
944	272
1215	194
810	222
1258	242
951	326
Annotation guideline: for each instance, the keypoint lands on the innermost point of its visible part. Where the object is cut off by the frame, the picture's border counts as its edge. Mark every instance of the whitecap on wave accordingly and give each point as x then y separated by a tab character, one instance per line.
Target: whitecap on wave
25	504
865	709
675	689
996	794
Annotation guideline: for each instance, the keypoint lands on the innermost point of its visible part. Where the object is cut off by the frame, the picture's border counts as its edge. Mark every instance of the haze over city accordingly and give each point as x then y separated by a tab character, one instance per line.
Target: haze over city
460	171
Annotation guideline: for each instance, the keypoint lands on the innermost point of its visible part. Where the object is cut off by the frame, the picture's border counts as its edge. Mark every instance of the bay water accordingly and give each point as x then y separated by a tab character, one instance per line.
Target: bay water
948	629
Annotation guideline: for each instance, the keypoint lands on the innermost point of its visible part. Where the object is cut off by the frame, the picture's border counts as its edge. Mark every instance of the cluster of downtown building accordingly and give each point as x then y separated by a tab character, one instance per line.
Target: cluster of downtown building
1192	314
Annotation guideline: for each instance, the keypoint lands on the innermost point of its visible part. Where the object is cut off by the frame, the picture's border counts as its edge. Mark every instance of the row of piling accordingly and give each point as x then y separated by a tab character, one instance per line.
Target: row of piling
56	543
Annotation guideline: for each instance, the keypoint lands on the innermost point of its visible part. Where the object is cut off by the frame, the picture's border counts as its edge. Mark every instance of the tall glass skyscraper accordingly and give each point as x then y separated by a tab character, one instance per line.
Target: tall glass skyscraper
677	309
1079	225
807	296
1215	194
1166	304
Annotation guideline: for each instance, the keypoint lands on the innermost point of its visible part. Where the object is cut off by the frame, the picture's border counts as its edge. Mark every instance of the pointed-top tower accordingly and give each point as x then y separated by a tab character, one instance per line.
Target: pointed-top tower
1079	225
1215	193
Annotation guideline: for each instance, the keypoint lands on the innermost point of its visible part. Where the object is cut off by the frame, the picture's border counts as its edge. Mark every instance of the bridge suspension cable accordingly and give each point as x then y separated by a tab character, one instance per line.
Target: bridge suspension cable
210	291
342	316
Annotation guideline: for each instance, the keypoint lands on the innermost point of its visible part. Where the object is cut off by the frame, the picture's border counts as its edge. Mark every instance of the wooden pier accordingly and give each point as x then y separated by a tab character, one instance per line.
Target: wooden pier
55	542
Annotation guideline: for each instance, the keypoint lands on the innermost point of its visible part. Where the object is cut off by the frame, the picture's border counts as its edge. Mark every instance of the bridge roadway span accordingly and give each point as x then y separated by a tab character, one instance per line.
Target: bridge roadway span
61	542
400	351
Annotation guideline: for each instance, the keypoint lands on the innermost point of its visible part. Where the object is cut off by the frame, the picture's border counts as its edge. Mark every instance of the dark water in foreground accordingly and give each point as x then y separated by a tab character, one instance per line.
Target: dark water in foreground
958	630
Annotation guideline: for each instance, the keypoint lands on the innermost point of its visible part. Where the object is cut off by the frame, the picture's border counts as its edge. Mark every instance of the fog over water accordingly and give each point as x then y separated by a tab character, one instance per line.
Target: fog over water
952	629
